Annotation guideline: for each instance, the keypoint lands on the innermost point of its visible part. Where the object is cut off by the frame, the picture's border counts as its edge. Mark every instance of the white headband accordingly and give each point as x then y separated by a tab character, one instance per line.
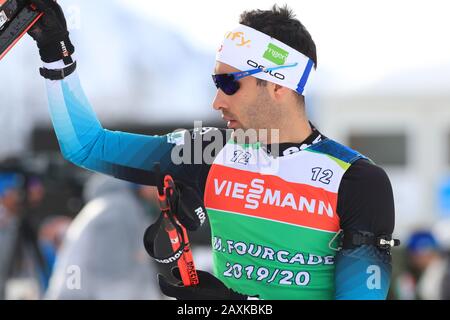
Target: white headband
245	48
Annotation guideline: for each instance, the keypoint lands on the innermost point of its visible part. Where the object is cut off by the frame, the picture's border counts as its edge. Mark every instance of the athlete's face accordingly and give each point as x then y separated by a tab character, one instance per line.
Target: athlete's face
251	107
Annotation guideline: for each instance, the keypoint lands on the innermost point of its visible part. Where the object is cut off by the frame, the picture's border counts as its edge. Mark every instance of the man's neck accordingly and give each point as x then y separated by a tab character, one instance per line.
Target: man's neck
294	130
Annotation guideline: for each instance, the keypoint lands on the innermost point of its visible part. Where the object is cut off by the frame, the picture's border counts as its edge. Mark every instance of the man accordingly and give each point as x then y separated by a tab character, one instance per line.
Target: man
277	203
22	267
428	266
9	211
105	243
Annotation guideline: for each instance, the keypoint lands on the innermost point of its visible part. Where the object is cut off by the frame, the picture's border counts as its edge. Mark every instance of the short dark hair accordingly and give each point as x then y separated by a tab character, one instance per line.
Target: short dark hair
281	24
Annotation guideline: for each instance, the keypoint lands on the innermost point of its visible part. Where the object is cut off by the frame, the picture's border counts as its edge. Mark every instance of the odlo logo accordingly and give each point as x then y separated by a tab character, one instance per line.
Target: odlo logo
239	38
276	54
275	74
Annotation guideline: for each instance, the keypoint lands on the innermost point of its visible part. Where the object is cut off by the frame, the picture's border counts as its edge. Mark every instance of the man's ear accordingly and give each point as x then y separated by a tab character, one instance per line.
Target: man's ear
278	93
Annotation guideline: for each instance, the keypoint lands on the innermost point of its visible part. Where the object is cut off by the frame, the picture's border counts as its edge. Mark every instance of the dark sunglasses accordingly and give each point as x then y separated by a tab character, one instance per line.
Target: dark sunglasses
229	82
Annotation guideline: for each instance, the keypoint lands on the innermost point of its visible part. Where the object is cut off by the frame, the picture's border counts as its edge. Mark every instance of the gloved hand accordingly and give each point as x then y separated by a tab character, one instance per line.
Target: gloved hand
188	206
209	288
50	32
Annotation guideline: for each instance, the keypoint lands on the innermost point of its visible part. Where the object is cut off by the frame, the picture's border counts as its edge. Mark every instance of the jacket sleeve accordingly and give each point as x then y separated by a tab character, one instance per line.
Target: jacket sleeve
84	141
365	205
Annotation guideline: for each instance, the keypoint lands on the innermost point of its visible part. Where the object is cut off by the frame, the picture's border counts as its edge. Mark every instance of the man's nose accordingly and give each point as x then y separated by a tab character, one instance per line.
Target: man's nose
219	101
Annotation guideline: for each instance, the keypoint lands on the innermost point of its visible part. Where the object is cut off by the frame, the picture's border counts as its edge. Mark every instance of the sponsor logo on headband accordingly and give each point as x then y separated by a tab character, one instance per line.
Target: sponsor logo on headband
238	38
276	54
274	74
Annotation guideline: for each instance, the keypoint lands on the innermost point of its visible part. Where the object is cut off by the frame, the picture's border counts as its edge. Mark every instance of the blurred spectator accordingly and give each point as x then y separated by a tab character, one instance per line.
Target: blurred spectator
428	267
8	225
36	192
51	235
22	267
104	243
442	232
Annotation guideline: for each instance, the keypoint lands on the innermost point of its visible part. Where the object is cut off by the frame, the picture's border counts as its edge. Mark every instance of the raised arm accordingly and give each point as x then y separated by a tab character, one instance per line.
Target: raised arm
81	137
85	142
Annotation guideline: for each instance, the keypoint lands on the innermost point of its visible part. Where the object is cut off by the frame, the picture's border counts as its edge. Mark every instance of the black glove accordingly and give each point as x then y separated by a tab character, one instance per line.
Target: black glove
50	32
188	206
209	288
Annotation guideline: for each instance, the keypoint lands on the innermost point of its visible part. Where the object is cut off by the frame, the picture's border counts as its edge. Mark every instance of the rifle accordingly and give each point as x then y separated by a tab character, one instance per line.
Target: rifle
16	18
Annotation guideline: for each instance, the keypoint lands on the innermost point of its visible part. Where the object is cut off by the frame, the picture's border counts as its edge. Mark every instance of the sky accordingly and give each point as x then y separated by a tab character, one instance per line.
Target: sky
358	42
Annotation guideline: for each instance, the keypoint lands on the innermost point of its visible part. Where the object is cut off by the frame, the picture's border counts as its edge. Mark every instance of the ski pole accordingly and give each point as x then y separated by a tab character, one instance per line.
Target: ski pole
185	263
